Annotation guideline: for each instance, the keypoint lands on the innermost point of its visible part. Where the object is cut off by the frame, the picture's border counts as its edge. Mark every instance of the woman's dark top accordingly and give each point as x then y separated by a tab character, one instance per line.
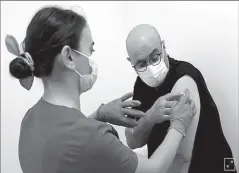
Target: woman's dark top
57	139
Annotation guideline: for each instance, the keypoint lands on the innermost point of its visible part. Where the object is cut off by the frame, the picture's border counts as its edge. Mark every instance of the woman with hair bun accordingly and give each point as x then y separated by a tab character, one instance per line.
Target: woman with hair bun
55	136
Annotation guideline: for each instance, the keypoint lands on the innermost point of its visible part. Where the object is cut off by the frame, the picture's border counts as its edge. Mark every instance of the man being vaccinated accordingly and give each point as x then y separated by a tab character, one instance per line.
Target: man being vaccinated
204	146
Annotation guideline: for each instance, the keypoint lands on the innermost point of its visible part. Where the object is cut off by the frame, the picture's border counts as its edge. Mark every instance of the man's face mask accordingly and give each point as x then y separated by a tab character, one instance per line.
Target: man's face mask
87	81
153	72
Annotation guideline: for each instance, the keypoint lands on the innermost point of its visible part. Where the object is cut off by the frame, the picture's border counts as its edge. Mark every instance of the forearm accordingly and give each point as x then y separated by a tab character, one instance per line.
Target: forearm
95	115
164	155
139	136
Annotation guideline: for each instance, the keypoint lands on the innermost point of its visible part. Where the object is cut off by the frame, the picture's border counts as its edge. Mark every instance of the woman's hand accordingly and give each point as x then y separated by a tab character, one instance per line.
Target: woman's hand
183	113
115	111
162	108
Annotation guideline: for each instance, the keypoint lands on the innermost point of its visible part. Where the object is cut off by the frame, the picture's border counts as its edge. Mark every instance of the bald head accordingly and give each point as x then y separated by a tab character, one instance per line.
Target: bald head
141	42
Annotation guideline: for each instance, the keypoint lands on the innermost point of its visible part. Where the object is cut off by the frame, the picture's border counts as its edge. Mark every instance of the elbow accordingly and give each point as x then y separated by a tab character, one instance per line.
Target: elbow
133	143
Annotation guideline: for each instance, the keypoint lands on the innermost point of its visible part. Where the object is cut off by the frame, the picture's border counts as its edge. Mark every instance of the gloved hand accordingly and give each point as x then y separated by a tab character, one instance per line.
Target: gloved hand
183	113
161	109
115	111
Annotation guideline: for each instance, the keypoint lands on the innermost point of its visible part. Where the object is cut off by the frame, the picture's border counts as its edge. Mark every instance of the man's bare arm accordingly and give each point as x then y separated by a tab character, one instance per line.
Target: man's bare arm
163	157
190	84
138	136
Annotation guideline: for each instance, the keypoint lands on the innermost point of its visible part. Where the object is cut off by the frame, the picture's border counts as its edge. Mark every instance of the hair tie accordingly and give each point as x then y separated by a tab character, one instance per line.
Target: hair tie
13	48
28	59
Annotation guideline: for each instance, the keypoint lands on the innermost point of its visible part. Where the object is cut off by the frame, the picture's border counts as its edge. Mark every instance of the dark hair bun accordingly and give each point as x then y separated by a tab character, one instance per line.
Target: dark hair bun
19	69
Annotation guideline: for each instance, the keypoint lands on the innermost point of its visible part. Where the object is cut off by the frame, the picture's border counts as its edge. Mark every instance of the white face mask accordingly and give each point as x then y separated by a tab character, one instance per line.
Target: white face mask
87	81
153	76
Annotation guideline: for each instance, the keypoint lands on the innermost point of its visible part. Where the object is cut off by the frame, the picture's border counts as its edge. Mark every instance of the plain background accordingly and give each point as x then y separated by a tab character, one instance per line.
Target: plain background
203	33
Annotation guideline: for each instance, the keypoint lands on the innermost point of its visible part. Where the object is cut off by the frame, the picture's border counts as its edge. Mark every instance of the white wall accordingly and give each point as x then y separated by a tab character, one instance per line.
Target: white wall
203	33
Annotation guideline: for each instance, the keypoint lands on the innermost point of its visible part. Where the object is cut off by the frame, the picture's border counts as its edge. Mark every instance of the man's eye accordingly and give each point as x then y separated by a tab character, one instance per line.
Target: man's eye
143	64
155	57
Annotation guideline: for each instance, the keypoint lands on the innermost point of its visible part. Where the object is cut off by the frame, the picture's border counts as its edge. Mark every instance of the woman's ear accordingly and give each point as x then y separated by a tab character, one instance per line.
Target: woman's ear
66	57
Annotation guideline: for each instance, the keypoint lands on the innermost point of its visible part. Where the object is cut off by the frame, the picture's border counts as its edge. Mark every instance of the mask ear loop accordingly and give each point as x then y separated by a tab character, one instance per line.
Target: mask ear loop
80	53
78	73
89	59
72	59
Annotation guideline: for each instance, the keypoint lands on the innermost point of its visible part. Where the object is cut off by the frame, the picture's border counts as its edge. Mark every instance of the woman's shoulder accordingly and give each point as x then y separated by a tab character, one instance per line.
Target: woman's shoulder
94	128
85	135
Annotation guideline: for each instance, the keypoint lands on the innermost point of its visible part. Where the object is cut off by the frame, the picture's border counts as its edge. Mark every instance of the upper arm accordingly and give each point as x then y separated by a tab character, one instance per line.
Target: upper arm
186	82
109	154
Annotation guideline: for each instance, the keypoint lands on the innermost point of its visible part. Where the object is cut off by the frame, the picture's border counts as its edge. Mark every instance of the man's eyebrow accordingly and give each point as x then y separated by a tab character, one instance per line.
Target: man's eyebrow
153	52
140	61
143	60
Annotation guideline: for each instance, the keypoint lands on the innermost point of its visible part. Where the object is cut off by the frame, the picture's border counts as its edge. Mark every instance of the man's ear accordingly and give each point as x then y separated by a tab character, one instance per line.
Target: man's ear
128	59
163	44
165	54
66	57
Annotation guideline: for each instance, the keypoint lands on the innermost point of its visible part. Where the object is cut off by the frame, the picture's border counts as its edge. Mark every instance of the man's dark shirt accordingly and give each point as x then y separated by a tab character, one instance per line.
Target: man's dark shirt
210	146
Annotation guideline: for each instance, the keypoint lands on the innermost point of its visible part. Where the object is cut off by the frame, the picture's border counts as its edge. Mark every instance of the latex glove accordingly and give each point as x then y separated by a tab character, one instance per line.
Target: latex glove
183	113
162	108
115	111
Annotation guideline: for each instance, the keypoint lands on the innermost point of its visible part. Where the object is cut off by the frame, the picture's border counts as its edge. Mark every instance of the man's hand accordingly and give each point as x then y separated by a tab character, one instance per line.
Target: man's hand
162	108
114	112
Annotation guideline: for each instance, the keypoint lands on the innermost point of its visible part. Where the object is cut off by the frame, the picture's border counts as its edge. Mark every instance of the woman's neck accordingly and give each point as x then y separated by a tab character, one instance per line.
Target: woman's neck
58	94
